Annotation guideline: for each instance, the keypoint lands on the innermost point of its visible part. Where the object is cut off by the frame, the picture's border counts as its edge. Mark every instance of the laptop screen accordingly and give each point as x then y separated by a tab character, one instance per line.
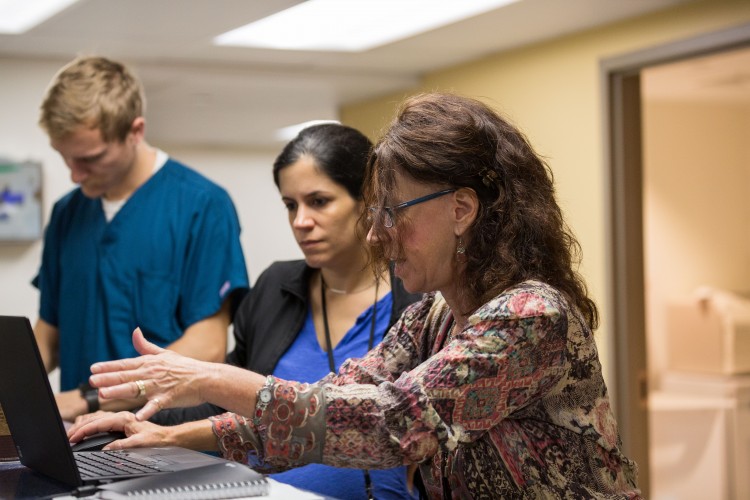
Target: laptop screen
29	404
38	430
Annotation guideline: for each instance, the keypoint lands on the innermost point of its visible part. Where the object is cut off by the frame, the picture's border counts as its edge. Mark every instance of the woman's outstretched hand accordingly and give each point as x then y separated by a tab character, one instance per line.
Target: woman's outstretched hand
165	378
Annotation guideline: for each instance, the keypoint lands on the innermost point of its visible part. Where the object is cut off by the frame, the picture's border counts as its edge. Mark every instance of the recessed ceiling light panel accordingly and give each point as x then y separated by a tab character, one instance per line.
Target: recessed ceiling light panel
352	25
19	16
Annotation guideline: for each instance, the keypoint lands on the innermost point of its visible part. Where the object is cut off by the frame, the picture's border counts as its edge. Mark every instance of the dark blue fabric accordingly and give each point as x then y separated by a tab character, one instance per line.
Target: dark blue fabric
166	260
306	361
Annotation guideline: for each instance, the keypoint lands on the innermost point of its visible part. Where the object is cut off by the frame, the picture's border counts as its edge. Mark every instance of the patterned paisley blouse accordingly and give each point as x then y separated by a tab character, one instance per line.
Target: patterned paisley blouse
514	406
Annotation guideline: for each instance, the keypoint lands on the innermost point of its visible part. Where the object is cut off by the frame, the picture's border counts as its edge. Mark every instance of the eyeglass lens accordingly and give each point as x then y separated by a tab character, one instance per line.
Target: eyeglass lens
387	212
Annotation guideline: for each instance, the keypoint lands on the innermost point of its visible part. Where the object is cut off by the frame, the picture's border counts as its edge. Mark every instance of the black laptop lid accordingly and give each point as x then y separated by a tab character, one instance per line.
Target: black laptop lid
29	404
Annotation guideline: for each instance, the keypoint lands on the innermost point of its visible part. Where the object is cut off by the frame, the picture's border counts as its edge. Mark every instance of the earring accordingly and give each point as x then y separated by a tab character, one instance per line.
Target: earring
460	248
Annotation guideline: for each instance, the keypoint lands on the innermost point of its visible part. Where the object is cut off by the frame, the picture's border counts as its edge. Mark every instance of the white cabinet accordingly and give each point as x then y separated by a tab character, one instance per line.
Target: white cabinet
700	437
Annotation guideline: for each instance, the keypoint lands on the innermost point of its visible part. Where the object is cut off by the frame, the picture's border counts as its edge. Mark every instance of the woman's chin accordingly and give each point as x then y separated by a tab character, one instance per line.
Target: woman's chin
400	272
314	261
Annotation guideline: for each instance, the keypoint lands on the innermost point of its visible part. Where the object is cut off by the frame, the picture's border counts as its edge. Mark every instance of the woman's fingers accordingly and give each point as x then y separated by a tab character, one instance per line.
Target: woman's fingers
128	378
141	434
151	408
105	423
122	385
118	365
82	419
143	346
138	434
160	377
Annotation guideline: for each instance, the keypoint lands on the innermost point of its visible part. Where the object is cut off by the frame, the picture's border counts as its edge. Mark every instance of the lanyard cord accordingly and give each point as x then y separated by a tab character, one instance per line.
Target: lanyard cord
329	350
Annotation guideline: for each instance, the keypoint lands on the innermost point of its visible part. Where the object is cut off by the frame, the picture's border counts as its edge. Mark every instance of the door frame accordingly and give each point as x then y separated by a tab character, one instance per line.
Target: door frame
623	160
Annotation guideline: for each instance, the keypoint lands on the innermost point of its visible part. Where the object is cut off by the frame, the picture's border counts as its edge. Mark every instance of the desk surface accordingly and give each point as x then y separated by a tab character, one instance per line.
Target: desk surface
21	483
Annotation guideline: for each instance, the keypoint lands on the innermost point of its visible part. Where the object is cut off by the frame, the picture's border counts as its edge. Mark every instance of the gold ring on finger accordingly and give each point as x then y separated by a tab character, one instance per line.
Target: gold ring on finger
141	388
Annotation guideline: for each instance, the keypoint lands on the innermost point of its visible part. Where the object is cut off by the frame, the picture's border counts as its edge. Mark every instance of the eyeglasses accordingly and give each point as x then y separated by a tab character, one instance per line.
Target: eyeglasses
388	212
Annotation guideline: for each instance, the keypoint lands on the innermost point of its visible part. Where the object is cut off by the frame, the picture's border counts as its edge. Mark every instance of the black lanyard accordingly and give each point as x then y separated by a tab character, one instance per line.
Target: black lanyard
329	350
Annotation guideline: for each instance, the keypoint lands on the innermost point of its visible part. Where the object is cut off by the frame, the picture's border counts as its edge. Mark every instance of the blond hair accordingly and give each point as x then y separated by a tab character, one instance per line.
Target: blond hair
94	92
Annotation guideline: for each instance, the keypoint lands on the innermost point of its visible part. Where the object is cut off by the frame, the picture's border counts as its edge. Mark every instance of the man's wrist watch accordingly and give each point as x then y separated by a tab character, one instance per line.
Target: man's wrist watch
91	395
265	395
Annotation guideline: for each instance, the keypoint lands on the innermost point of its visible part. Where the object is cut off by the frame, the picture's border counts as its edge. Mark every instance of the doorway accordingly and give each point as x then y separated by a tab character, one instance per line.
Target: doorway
623	80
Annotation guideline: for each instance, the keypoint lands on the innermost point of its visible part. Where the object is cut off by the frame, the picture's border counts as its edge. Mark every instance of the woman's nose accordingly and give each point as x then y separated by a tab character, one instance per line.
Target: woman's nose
302	219
372	236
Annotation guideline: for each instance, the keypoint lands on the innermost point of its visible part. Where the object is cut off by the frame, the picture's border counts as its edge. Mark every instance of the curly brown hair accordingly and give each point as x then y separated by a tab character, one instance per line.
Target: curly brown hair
519	234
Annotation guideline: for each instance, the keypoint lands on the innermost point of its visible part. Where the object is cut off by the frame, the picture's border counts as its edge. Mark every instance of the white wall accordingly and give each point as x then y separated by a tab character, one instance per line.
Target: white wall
22	85
246	174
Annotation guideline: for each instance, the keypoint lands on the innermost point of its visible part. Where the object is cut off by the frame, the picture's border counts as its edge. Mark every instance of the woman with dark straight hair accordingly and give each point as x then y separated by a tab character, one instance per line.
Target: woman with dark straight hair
302	319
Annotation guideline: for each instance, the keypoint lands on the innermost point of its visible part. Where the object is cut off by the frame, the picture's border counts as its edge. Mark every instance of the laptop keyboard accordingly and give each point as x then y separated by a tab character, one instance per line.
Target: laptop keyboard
95	464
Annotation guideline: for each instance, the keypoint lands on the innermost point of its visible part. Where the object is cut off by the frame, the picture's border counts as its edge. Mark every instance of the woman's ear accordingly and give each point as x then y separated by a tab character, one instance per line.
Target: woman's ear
465	209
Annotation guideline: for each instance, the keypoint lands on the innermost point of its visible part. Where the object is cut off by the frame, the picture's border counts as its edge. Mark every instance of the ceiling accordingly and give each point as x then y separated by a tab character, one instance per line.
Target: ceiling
227	96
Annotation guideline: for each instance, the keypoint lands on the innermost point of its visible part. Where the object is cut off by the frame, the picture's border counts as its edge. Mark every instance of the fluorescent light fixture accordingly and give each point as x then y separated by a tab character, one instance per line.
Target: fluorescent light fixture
288	133
19	16
352	25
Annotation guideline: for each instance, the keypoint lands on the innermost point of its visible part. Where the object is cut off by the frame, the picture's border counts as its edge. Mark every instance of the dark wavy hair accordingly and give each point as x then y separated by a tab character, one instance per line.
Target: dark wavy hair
450	141
340	152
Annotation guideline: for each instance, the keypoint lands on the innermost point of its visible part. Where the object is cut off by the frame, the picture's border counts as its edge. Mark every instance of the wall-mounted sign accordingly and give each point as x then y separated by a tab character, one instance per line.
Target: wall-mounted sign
20	201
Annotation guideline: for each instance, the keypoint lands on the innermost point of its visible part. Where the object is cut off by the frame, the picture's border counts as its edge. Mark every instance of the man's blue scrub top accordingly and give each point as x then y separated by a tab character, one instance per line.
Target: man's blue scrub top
166	260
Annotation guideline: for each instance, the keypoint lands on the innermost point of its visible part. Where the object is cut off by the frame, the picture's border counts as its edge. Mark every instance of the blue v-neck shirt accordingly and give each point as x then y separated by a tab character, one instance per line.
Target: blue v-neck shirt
307	361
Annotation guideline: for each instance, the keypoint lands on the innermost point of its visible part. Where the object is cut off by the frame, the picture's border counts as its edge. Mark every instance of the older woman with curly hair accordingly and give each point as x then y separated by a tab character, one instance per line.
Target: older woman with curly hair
490	386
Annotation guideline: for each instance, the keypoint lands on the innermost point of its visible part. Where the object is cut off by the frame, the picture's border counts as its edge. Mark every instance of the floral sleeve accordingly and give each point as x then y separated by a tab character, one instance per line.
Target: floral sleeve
240	438
290	431
369	416
513	353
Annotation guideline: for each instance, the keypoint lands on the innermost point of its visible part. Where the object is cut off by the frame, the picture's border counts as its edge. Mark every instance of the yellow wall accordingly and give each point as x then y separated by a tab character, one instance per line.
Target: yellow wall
552	92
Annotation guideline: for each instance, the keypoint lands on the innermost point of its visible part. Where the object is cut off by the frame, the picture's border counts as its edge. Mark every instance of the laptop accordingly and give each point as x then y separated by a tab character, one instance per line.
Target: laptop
38	430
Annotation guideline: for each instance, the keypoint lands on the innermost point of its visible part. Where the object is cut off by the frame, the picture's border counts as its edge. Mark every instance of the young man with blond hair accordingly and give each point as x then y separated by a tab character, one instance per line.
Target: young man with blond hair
143	241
